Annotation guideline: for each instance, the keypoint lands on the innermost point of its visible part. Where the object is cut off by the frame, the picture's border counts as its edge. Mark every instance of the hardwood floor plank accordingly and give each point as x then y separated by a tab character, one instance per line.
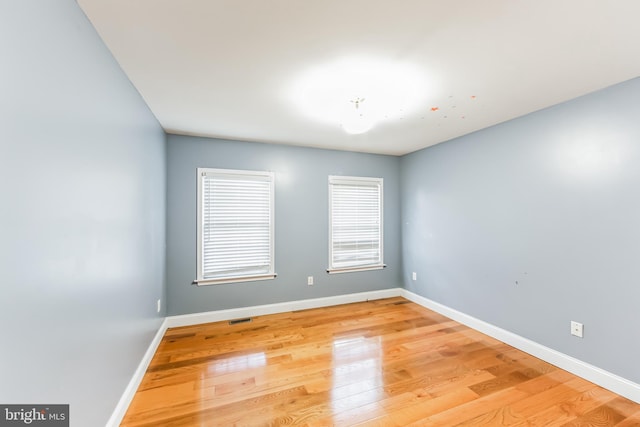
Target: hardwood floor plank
385	363
480	406
502	416
538	402
420	410
569	410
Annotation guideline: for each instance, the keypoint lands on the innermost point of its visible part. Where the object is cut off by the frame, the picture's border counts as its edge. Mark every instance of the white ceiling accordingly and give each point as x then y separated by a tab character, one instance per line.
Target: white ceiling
228	68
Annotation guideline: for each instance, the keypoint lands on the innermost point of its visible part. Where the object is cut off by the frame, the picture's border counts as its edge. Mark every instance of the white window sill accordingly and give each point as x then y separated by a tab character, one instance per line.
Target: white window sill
207	282
354	269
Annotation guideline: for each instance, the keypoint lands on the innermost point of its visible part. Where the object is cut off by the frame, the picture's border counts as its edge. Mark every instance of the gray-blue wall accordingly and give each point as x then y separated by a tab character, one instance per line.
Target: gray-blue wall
301	222
526	225
82	182
536	222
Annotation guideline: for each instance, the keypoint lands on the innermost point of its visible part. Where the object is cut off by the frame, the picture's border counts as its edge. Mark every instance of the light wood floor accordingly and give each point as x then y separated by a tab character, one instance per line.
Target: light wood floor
381	363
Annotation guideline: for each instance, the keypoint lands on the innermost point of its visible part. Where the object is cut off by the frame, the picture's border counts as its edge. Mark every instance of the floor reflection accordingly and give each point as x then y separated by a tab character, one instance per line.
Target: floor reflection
237	363
357	373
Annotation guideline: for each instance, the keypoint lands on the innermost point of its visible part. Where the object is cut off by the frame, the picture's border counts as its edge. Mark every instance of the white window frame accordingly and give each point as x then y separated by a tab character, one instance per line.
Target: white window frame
336	183
230	174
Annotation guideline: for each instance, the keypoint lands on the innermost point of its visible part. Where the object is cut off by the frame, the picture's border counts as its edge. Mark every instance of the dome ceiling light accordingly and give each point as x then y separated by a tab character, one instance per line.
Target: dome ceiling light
334	93
356	121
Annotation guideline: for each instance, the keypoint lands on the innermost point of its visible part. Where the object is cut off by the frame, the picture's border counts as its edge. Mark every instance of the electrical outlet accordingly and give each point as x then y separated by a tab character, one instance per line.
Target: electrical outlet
414	276
577	329
158	305
309	280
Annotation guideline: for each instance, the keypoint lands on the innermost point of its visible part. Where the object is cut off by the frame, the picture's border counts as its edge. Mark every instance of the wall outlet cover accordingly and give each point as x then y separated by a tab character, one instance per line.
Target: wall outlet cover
577	329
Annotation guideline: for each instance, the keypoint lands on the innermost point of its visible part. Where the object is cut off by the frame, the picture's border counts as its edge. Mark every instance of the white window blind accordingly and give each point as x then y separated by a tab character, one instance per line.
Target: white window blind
235	226
355	224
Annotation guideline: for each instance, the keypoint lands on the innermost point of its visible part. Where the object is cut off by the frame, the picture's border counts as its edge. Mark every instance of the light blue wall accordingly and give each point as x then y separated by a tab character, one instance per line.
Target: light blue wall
82	181
301	215
550	201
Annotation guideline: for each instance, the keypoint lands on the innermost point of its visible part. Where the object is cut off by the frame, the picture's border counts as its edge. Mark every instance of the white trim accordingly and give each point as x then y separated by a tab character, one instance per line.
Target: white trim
228	174
353	180
354	269
596	375
603	378
336	180
208	282
234	313
126	398
283	307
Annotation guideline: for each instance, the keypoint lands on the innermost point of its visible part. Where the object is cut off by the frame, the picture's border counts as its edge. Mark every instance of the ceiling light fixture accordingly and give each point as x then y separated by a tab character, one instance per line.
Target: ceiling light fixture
355	120
393	91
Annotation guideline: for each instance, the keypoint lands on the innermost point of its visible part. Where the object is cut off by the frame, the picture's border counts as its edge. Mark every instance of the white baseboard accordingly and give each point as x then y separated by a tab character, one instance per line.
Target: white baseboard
589	372
126	398
283	307
234	313
598	376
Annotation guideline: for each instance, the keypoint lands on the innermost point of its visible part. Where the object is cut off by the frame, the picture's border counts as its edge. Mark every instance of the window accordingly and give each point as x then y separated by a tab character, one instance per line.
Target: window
235	226
355	224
